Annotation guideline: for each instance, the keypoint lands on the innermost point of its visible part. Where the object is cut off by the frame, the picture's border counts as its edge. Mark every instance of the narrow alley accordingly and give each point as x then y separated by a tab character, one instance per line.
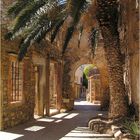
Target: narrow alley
69	70
64	126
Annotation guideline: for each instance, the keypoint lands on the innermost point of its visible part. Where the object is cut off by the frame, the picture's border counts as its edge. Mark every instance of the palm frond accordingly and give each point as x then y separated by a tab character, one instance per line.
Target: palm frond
69	34
35	18
8	35
17	7
42	33
74	10
39	31
26	43
25	15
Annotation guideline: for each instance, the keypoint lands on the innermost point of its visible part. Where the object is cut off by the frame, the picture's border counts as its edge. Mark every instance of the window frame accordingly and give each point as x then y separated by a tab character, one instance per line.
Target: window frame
13	59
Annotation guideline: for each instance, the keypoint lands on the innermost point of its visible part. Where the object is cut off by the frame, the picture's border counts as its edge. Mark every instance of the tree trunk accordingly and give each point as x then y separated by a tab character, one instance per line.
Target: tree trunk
107	16
118	97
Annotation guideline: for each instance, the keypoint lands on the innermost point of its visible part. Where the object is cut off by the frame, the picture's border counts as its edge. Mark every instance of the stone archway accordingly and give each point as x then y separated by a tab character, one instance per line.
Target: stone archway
75	57
100	61
77	64
96	83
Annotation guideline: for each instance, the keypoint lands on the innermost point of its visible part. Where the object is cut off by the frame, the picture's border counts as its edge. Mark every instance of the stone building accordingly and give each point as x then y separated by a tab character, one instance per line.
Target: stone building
31	87
43	83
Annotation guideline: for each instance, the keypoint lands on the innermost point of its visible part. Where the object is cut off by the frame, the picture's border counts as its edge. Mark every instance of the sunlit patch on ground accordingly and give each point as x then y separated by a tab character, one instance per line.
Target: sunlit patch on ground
9	136
60	115
72	115
45	120
58	121
84	103
34	128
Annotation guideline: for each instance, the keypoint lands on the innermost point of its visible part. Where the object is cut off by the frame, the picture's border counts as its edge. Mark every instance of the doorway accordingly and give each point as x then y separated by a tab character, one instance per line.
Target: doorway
87	83
53	89
39	92
81	82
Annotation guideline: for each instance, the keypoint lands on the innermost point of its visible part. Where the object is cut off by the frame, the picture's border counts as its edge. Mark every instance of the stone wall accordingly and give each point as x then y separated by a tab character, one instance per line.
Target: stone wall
16	113
129	35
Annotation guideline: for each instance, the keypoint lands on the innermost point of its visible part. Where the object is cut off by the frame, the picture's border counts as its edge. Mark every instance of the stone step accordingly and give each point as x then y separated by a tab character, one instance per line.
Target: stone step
84	133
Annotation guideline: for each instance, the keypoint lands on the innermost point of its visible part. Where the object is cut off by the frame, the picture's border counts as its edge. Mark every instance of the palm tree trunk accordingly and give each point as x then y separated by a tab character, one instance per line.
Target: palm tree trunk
107	16
118	98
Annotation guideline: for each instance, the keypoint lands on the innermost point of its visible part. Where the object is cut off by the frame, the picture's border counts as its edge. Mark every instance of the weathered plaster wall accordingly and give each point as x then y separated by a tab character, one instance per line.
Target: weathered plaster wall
129	35
134	53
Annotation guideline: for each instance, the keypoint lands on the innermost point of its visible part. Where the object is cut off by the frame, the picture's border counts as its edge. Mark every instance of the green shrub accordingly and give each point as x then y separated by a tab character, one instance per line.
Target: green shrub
133	127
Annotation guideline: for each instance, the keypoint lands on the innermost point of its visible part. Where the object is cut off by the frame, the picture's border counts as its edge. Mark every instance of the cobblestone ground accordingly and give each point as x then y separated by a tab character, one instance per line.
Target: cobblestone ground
64	126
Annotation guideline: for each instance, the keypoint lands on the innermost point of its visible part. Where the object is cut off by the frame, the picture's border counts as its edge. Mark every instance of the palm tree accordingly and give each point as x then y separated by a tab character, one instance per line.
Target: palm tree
107	15
34	19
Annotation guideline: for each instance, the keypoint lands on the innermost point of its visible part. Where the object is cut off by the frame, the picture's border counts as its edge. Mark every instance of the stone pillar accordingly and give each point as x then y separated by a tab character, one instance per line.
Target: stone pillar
94	89
41	92
58	72
36	110
47	92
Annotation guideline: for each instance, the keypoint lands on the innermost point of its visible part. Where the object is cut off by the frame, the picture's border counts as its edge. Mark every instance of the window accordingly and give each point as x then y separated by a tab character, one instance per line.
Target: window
16	81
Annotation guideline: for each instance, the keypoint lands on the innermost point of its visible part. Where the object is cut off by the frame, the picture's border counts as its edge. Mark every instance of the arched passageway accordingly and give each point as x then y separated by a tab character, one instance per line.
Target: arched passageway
72	62
87	85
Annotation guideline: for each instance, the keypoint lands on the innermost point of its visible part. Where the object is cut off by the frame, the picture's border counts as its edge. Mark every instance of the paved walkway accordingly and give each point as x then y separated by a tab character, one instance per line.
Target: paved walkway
64	126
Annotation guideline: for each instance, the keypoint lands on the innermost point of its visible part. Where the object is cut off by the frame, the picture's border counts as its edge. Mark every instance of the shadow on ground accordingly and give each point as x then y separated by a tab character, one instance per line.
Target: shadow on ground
55	127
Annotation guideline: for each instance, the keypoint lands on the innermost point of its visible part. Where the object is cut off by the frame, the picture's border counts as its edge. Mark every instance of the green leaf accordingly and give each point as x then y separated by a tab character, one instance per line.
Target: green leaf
17	7
25	15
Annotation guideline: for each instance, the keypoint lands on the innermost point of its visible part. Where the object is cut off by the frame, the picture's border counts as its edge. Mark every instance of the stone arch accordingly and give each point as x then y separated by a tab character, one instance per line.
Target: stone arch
100	62
78	64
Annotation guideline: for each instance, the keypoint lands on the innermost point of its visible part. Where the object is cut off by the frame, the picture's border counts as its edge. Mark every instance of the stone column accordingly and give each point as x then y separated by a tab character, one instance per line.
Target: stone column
36	110
92	89
58	72
41	92
47	92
